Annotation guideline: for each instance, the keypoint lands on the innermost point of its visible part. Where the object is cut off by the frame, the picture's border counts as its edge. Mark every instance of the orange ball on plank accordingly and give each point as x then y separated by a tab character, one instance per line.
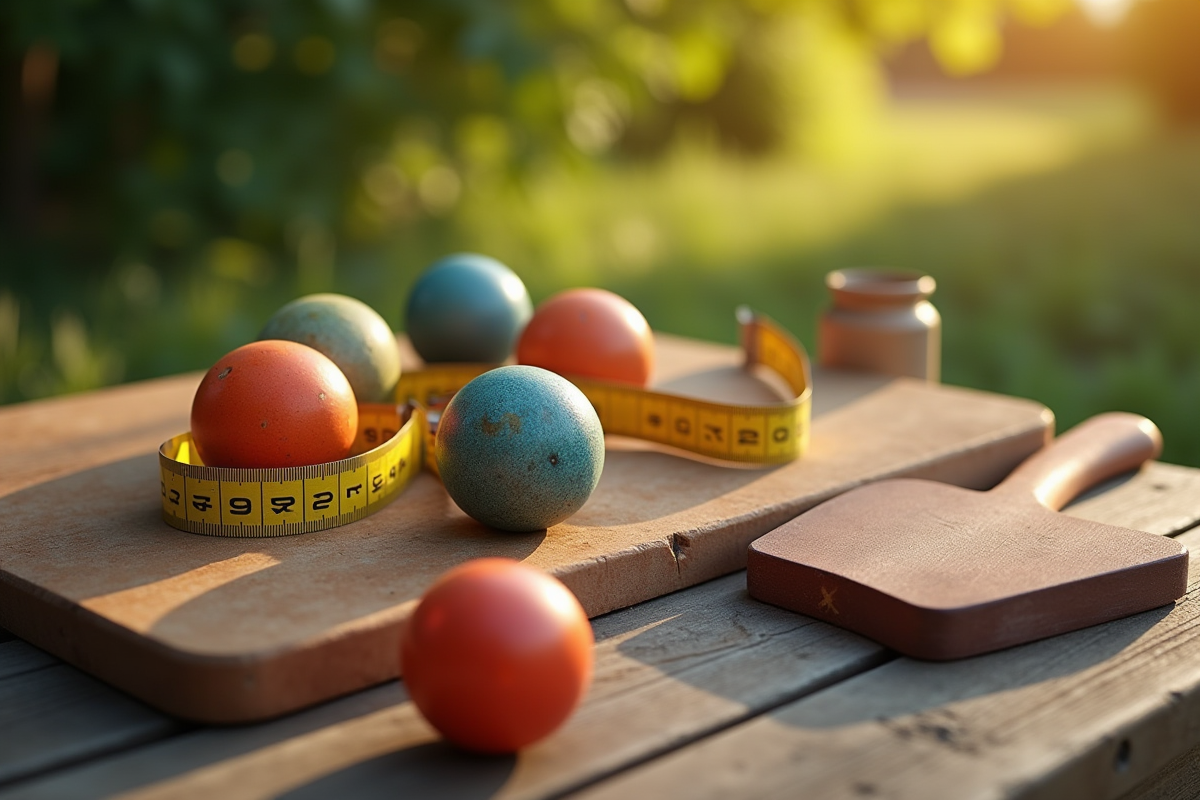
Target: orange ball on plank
273	403
591	333
497	655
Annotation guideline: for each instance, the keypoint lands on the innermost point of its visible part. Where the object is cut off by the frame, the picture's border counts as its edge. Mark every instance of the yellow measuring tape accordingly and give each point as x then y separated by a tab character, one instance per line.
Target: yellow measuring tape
226	501
394	442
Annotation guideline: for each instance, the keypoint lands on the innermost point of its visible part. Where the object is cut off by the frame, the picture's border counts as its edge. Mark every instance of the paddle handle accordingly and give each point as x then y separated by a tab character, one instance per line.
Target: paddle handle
1093	451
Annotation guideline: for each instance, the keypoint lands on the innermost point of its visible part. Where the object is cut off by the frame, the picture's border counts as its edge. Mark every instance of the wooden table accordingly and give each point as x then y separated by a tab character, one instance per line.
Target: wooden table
700	693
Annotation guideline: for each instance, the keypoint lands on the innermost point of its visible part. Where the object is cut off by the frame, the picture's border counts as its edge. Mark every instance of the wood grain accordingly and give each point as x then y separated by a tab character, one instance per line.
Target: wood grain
231	630
1090	714
1164	499
54	716
1176	781
17	657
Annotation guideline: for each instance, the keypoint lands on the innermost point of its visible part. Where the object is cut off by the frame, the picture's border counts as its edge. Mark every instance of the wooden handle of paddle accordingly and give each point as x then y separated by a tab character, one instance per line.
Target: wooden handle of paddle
1093	451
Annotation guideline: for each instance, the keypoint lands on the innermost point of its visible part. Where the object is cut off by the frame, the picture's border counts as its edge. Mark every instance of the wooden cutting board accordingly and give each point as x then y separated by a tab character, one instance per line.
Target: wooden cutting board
234	630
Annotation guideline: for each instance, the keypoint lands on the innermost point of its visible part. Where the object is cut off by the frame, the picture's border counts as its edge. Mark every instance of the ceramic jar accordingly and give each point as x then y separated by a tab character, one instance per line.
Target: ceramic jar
881	321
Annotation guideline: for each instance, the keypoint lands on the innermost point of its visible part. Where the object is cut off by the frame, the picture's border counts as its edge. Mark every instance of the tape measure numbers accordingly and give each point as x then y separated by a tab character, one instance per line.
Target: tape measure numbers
748	434
221	501
395	442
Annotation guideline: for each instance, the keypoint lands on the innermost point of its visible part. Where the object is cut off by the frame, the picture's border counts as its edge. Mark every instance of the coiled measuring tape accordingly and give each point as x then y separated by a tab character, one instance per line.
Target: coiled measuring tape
394	442
227	501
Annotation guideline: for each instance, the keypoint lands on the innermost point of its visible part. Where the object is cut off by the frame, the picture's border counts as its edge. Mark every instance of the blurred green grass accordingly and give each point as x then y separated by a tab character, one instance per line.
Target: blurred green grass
1060	227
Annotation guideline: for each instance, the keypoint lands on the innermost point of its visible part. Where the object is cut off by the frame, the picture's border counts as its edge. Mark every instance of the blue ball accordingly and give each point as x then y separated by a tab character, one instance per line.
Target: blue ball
520	448
467	307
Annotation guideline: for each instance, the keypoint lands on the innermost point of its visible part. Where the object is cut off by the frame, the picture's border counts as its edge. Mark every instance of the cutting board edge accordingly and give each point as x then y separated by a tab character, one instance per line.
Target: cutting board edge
223	689
227	688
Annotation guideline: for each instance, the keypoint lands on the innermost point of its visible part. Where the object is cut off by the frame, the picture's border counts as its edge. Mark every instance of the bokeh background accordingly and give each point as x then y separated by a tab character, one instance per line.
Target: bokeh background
173	171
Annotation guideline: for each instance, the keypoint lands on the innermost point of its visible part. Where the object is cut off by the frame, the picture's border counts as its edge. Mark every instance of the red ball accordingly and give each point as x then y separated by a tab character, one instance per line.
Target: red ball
591	333
273	404
497	655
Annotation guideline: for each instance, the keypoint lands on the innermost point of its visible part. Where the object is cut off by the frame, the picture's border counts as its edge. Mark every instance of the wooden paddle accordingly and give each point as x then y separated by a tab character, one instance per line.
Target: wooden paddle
939	572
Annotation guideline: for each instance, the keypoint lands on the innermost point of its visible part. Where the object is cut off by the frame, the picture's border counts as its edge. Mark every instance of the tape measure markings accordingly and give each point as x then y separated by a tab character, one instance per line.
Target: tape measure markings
763	434
289	500
747	434
435	381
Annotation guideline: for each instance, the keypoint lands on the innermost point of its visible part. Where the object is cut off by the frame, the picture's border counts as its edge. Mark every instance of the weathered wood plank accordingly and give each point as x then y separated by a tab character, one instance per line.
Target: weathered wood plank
190	754
17	657
668	672
50	438
1164	499
1085	715
1179	780
56	716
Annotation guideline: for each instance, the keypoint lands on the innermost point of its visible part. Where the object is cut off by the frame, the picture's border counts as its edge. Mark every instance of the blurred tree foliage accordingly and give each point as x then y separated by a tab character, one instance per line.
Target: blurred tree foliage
157	129
147	143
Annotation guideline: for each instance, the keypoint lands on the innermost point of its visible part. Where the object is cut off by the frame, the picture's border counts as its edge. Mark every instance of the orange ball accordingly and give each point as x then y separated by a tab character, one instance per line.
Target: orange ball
591	333
497	655
273	404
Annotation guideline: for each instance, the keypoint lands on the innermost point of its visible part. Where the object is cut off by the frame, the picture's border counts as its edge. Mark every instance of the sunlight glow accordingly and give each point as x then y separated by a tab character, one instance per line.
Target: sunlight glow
1106	12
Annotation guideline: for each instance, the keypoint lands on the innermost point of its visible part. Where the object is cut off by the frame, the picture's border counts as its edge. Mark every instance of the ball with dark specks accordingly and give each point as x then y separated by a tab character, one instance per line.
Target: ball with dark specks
467	307
350	333
520	448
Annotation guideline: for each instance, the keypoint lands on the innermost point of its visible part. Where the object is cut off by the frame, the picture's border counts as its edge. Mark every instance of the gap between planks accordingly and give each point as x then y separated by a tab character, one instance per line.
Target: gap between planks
56	715
17	658
1177	781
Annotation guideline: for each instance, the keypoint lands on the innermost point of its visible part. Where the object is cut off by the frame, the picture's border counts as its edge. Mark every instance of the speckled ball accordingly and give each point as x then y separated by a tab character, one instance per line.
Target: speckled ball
467	307
350	333
520	448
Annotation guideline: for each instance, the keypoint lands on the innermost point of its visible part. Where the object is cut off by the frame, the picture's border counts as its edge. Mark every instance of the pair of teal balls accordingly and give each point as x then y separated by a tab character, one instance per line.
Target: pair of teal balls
519	448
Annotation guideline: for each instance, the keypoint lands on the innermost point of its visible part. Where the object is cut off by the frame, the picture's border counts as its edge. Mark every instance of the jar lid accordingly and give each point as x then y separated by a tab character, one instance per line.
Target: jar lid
865	286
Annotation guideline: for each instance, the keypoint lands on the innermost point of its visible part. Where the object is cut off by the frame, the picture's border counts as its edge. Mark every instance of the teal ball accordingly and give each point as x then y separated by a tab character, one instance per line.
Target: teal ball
467	307
350	333
520	448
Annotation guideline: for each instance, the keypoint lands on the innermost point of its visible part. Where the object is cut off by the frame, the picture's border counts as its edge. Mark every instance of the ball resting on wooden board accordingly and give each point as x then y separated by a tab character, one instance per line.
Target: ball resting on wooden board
591	333
467	307
350	333
520	448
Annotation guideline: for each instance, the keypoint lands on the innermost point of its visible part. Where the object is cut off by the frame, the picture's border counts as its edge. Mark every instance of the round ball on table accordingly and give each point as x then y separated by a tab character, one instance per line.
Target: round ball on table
467	307
496	655
350	333
273	404
591	333
520	448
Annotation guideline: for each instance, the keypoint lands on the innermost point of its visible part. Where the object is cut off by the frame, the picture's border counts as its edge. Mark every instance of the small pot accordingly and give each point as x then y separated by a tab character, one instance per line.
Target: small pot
881	321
